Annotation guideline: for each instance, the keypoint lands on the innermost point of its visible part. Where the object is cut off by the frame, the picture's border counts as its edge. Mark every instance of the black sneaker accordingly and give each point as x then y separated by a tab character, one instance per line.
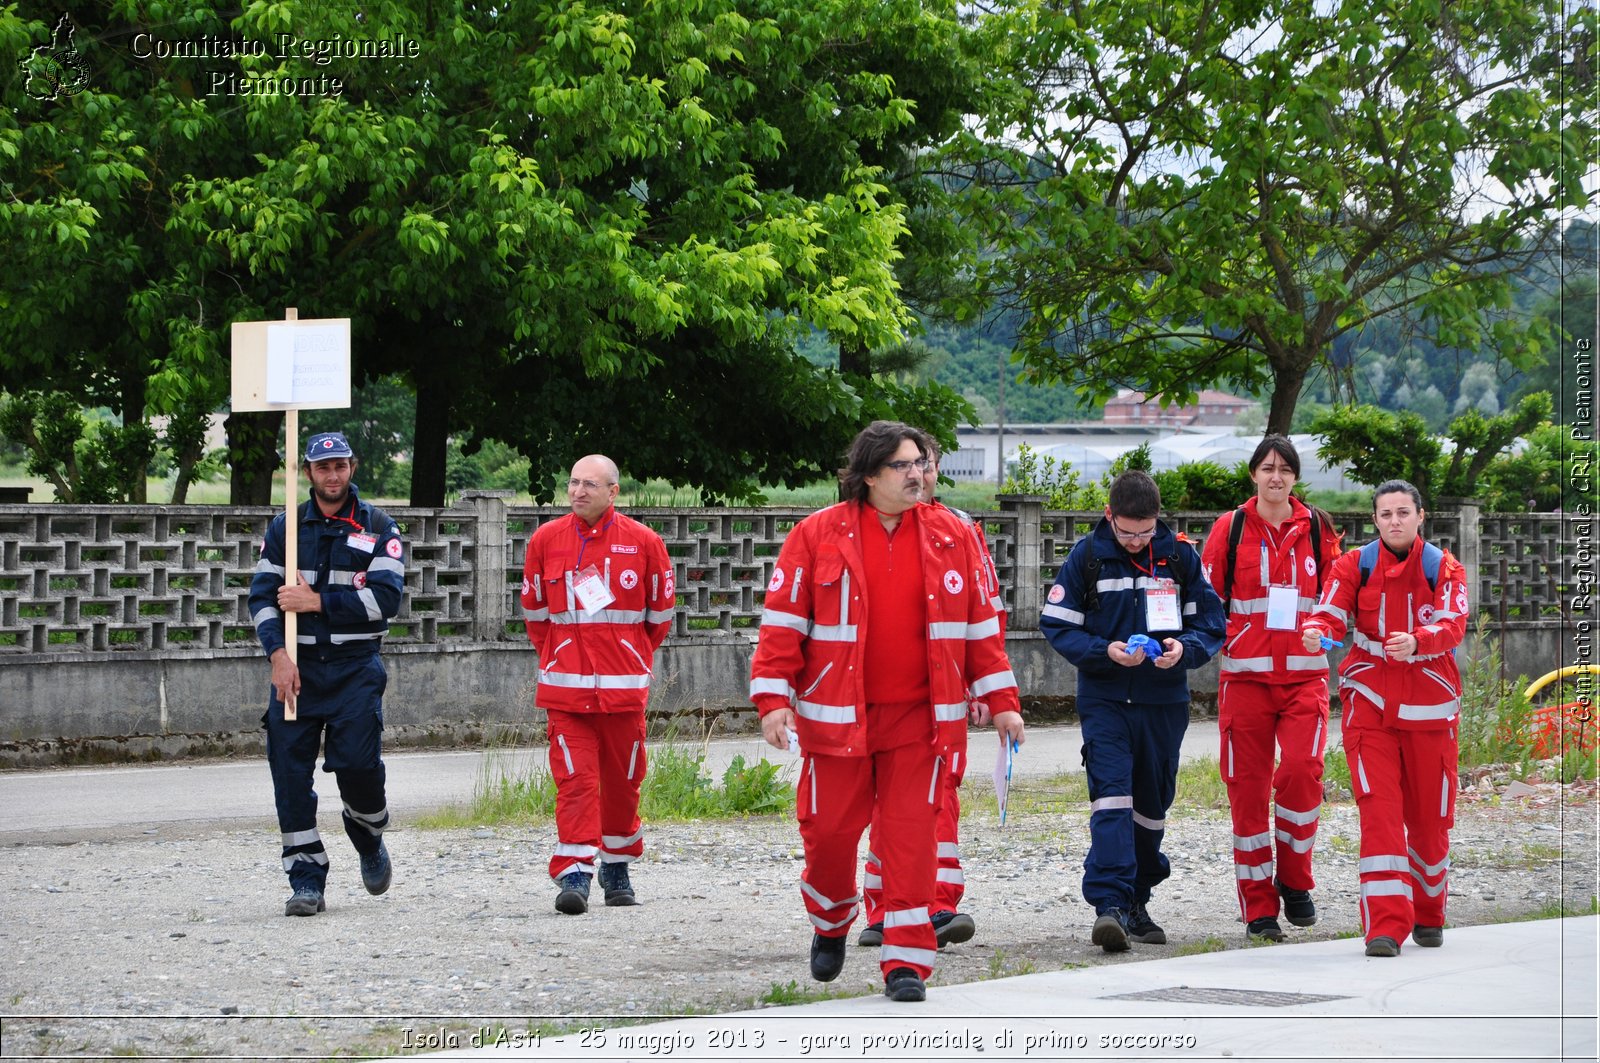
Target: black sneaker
1383	946
1297	906
574	896
614	880
307	900
952	928
827	957
1143	929
871	936
1429	937
1111	930
1266	928
377	870
905	986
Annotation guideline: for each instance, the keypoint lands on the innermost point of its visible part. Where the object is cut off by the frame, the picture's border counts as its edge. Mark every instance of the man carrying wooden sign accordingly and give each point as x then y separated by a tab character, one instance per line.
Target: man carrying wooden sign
348	586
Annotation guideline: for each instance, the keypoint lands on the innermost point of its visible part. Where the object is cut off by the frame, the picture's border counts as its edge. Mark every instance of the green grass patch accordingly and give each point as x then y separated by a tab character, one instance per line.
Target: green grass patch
676	788
1201	947
1003	965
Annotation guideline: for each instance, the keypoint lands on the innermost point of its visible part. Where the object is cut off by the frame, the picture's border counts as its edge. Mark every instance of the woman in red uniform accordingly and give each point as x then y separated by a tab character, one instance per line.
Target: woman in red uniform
1403	603
1267	560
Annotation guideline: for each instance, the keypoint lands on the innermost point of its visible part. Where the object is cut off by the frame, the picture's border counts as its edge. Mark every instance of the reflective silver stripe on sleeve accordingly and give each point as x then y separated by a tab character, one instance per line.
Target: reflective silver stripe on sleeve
1071	616
983	629
370	602
766	685
264	614
658	616
264	565
386	564
987	684
779	618
537	616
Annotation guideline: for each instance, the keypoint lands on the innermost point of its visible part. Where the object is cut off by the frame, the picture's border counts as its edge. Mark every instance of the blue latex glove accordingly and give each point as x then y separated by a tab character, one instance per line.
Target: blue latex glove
1150	646
1329	644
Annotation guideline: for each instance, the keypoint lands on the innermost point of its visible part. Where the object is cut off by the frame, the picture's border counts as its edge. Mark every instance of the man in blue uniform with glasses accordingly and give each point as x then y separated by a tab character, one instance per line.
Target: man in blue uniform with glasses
1132	611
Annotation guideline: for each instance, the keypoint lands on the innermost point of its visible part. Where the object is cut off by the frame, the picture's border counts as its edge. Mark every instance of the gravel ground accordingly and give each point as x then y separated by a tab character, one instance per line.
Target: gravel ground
173	943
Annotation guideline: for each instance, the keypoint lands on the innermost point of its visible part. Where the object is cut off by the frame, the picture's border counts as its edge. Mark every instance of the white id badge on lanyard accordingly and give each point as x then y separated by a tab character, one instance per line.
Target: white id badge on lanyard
1161	607
593	594
1283	608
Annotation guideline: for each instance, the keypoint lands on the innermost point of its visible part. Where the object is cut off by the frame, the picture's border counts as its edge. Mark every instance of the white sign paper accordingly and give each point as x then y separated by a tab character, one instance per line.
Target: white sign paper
307	365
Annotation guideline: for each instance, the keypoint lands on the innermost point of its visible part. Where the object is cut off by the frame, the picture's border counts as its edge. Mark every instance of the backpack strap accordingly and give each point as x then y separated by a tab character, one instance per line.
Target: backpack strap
1235	533
1091	580
1316	546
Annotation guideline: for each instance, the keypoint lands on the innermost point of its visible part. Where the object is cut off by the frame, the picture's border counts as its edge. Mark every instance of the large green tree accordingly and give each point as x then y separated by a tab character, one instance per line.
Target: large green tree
1212	192
568	226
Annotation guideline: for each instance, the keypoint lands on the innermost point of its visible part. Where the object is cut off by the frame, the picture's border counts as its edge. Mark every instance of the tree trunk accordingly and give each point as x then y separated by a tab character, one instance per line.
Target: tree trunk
136	489
1286	384
853	358
428	444
253	456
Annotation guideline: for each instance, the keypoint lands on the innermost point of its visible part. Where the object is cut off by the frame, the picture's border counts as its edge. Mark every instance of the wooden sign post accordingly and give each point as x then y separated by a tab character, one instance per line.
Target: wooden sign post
291	365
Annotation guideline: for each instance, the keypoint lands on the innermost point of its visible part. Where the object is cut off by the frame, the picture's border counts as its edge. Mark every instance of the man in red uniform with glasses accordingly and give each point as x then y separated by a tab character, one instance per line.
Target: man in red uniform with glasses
876	634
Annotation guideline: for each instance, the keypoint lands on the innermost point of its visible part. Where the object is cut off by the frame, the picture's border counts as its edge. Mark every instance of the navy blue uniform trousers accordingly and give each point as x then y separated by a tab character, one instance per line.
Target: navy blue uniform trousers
341	708
1130	752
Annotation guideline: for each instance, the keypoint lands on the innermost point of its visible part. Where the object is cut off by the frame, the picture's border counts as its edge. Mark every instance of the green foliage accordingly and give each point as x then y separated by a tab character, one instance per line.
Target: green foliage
1058	481
1380	445
379	424
1204	486
1542	476
568	228
85	463
1494	713
1178	198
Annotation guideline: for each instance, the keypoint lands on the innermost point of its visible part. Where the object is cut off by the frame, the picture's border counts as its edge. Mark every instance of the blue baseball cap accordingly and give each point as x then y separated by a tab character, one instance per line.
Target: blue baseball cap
325	446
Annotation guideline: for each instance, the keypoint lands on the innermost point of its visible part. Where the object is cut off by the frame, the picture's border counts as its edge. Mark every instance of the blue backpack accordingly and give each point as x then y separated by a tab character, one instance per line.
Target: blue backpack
1431	557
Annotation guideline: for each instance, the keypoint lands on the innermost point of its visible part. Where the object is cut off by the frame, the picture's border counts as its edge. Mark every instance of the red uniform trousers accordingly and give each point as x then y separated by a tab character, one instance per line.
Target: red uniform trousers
897	791
598	762
1257	721
1405	788
950	884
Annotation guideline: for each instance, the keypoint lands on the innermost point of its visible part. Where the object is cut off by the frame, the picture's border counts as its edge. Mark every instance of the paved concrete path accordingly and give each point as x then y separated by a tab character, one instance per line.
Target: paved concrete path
1518	991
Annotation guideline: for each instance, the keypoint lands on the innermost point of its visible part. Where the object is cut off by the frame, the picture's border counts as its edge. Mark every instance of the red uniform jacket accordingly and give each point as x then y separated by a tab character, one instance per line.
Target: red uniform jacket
596	661
1250	650
811	650
1422	692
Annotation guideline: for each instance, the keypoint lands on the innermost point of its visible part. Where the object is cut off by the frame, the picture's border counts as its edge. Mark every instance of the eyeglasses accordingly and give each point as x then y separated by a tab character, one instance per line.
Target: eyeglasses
573	485
1131	536
921	465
